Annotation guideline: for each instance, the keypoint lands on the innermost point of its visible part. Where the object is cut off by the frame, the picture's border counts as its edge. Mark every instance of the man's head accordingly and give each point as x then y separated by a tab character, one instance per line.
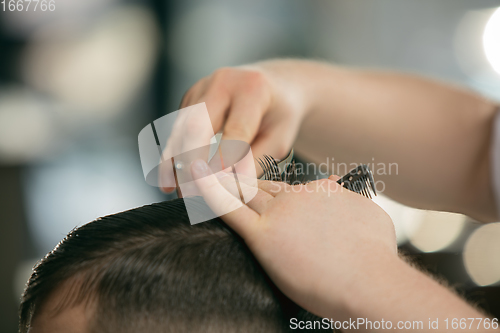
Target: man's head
149	270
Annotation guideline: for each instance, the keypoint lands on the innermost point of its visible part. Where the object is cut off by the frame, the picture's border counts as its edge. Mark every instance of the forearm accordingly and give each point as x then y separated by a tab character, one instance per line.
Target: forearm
402	295
435	136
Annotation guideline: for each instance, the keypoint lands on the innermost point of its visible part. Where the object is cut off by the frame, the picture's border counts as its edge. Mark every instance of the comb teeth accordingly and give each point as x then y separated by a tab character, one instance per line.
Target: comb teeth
272	171
270	167
359	180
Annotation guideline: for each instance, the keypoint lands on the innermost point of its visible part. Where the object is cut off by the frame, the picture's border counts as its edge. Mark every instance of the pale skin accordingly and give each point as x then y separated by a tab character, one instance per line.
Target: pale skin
439	136
336	262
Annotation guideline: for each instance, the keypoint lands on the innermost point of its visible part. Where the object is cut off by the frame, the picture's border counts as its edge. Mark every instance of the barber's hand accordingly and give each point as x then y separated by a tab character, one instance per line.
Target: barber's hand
254	103
318	242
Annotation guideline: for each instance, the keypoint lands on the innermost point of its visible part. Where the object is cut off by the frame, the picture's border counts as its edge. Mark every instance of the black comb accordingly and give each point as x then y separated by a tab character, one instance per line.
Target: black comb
278	171
359	179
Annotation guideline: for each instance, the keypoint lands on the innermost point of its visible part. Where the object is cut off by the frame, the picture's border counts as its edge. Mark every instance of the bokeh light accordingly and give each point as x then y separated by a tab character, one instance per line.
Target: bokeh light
437	231
26	129
491	40
406	220
96	73
481	255
428	231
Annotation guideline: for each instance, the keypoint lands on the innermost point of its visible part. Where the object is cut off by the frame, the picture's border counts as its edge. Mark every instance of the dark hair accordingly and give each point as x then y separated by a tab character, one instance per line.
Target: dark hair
151	271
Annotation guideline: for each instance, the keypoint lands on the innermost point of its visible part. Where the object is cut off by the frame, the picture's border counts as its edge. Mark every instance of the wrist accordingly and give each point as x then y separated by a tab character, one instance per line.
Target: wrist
399	292
291	80
387	276
346	293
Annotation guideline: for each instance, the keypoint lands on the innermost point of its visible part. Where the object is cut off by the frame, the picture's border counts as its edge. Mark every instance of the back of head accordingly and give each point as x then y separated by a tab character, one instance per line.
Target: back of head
149	270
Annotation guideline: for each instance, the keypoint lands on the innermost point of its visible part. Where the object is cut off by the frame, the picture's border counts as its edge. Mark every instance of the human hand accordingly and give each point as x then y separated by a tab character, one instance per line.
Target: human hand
258	104
318	242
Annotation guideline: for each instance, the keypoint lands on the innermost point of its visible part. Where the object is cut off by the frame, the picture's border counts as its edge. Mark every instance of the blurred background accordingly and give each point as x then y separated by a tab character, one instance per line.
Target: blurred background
78	83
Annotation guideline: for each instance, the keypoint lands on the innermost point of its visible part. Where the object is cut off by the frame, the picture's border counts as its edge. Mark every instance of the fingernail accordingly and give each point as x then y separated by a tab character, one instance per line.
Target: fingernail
168	189
334	177
200	168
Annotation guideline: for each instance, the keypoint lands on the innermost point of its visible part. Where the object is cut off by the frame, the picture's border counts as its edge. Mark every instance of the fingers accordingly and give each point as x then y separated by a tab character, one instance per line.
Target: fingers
275	188
272	188
275	140
193	93
238	216
188	130
196	131
244	118
218	102
255	198
166	176
236	101
214	96
192	128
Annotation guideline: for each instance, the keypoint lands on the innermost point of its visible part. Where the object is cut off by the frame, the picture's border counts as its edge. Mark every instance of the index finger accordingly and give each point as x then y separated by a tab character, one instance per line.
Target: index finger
179	132
237	215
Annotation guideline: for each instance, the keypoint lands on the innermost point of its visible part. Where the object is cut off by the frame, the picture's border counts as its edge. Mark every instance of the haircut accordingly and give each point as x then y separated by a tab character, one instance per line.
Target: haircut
149	270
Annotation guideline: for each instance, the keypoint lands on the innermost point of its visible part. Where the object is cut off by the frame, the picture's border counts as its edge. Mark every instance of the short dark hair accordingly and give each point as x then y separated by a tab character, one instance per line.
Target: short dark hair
151	271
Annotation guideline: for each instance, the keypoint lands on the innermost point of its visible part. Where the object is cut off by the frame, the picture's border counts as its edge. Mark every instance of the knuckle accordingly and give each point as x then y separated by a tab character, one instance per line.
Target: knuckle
194	127
255	80
249	80
221	74
187	98
221	81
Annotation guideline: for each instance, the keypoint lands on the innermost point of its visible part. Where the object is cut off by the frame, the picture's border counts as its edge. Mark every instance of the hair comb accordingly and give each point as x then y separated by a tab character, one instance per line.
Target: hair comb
281	171
359	179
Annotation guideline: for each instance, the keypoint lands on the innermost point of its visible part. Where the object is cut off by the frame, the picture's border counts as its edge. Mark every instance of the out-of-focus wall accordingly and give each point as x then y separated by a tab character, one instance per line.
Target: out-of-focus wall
77	84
